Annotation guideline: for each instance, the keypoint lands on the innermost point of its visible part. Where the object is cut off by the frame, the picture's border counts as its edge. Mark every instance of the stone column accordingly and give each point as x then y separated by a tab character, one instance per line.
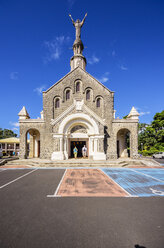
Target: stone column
23	146
15	148
5	147
95	145
31	147
112	147
134	144
61	144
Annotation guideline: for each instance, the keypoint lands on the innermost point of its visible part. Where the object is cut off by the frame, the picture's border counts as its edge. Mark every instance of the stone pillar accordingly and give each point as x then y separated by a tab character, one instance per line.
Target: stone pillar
112	147
95	145
15	148
31	147
5	147
23	145
61	144
134	144
66	148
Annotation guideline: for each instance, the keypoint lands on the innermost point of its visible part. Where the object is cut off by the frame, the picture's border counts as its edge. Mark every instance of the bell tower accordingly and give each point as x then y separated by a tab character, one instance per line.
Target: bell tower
78	59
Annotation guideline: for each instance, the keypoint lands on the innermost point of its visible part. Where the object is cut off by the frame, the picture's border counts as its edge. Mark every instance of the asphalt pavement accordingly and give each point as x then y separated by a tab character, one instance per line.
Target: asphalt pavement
29	219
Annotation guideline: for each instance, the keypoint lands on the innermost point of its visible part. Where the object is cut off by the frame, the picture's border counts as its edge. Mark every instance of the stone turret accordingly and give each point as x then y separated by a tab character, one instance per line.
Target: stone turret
23	114
133	114
78	59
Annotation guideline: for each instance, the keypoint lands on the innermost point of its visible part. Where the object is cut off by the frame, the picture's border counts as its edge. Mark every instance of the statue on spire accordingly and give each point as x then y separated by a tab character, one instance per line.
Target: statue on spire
78	25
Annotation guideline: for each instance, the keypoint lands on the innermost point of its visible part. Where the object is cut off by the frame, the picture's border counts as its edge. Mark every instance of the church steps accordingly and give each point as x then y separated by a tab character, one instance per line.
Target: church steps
82	163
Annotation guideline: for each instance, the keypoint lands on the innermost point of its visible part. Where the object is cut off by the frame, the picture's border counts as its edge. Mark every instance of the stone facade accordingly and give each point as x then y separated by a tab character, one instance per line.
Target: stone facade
78	109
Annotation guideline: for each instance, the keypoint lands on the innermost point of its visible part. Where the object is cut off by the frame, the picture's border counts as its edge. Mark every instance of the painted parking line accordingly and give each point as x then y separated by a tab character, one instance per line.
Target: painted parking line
2	170
118	184
157	174
57	189
88	183
1	187
135	183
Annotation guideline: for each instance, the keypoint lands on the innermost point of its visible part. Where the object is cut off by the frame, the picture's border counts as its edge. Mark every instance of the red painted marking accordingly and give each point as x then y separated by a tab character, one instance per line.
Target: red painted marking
88	182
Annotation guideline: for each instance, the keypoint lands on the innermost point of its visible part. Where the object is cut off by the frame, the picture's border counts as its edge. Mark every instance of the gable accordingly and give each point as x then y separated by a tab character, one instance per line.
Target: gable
78	73
78	107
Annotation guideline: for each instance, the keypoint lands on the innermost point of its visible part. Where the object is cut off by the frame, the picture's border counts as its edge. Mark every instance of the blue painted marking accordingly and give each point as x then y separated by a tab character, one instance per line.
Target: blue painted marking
136	184
154	172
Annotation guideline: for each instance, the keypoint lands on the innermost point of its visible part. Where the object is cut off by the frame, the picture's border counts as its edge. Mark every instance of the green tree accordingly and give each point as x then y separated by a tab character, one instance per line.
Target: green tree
1	133
6	133
151	137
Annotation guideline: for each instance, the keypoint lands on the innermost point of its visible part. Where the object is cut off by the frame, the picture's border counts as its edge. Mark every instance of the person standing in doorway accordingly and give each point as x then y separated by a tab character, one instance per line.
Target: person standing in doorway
75	151
84	151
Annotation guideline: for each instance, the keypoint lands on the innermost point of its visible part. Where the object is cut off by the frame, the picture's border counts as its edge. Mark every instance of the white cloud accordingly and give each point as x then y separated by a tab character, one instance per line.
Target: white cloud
39	89
14	75
104	78
71	3
113	53
144	113
15	129
15	124
55	48
141	112
123	68
93	60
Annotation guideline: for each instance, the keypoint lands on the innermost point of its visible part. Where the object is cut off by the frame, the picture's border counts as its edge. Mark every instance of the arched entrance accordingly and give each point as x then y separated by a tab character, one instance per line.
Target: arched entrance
78	137
32	143
123	143
78	129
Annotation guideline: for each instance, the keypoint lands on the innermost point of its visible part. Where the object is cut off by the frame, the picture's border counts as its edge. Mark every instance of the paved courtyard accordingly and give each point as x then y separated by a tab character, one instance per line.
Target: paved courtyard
99	207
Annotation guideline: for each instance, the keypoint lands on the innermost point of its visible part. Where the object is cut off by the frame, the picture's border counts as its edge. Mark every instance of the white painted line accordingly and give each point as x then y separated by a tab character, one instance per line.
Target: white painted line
129	195
147	175
16	179
3	170
55	194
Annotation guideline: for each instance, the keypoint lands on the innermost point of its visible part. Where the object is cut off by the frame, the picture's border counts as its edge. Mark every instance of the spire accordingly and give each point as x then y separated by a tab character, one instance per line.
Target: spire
133	114
78	59
23	114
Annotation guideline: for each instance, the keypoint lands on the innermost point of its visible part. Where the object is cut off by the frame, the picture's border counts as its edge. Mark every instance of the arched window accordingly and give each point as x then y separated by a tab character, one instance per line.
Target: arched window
77	86
67	95
88	95
98	102
57	103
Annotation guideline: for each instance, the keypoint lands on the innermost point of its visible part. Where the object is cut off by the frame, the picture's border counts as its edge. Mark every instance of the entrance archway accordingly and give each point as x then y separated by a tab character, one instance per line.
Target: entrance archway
78	127
32	143
78	137
123	143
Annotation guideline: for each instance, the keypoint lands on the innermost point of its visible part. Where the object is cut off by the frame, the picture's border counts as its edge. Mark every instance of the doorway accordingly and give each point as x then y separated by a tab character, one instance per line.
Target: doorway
79	145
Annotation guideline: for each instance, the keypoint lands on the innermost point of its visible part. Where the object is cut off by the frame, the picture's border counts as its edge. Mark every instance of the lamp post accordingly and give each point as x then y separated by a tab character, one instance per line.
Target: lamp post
142	146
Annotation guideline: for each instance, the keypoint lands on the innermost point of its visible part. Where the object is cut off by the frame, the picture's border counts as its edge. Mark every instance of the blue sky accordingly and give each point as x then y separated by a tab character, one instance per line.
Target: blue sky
124	42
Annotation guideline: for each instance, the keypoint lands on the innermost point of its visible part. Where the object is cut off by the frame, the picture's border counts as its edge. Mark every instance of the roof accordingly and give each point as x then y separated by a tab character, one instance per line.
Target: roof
10	140
23	112
72	72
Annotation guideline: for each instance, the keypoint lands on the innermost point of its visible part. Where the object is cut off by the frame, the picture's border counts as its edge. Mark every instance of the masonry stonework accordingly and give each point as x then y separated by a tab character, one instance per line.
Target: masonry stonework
78	100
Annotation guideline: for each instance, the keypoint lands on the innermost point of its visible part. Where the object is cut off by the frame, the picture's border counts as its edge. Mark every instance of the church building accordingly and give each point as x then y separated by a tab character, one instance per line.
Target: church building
78	110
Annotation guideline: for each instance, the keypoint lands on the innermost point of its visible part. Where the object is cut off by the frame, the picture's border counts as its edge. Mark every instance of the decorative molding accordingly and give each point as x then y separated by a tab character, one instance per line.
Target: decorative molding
32	121
67	111
94	115
79	105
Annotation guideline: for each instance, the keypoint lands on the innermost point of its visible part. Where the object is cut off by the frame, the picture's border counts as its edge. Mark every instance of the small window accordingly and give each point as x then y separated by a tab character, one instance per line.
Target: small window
88	95
77	86
57	103
98	103
67	95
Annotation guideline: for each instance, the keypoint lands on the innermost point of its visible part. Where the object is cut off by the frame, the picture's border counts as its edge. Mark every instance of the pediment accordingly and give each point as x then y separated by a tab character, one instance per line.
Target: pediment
77	72
79	106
